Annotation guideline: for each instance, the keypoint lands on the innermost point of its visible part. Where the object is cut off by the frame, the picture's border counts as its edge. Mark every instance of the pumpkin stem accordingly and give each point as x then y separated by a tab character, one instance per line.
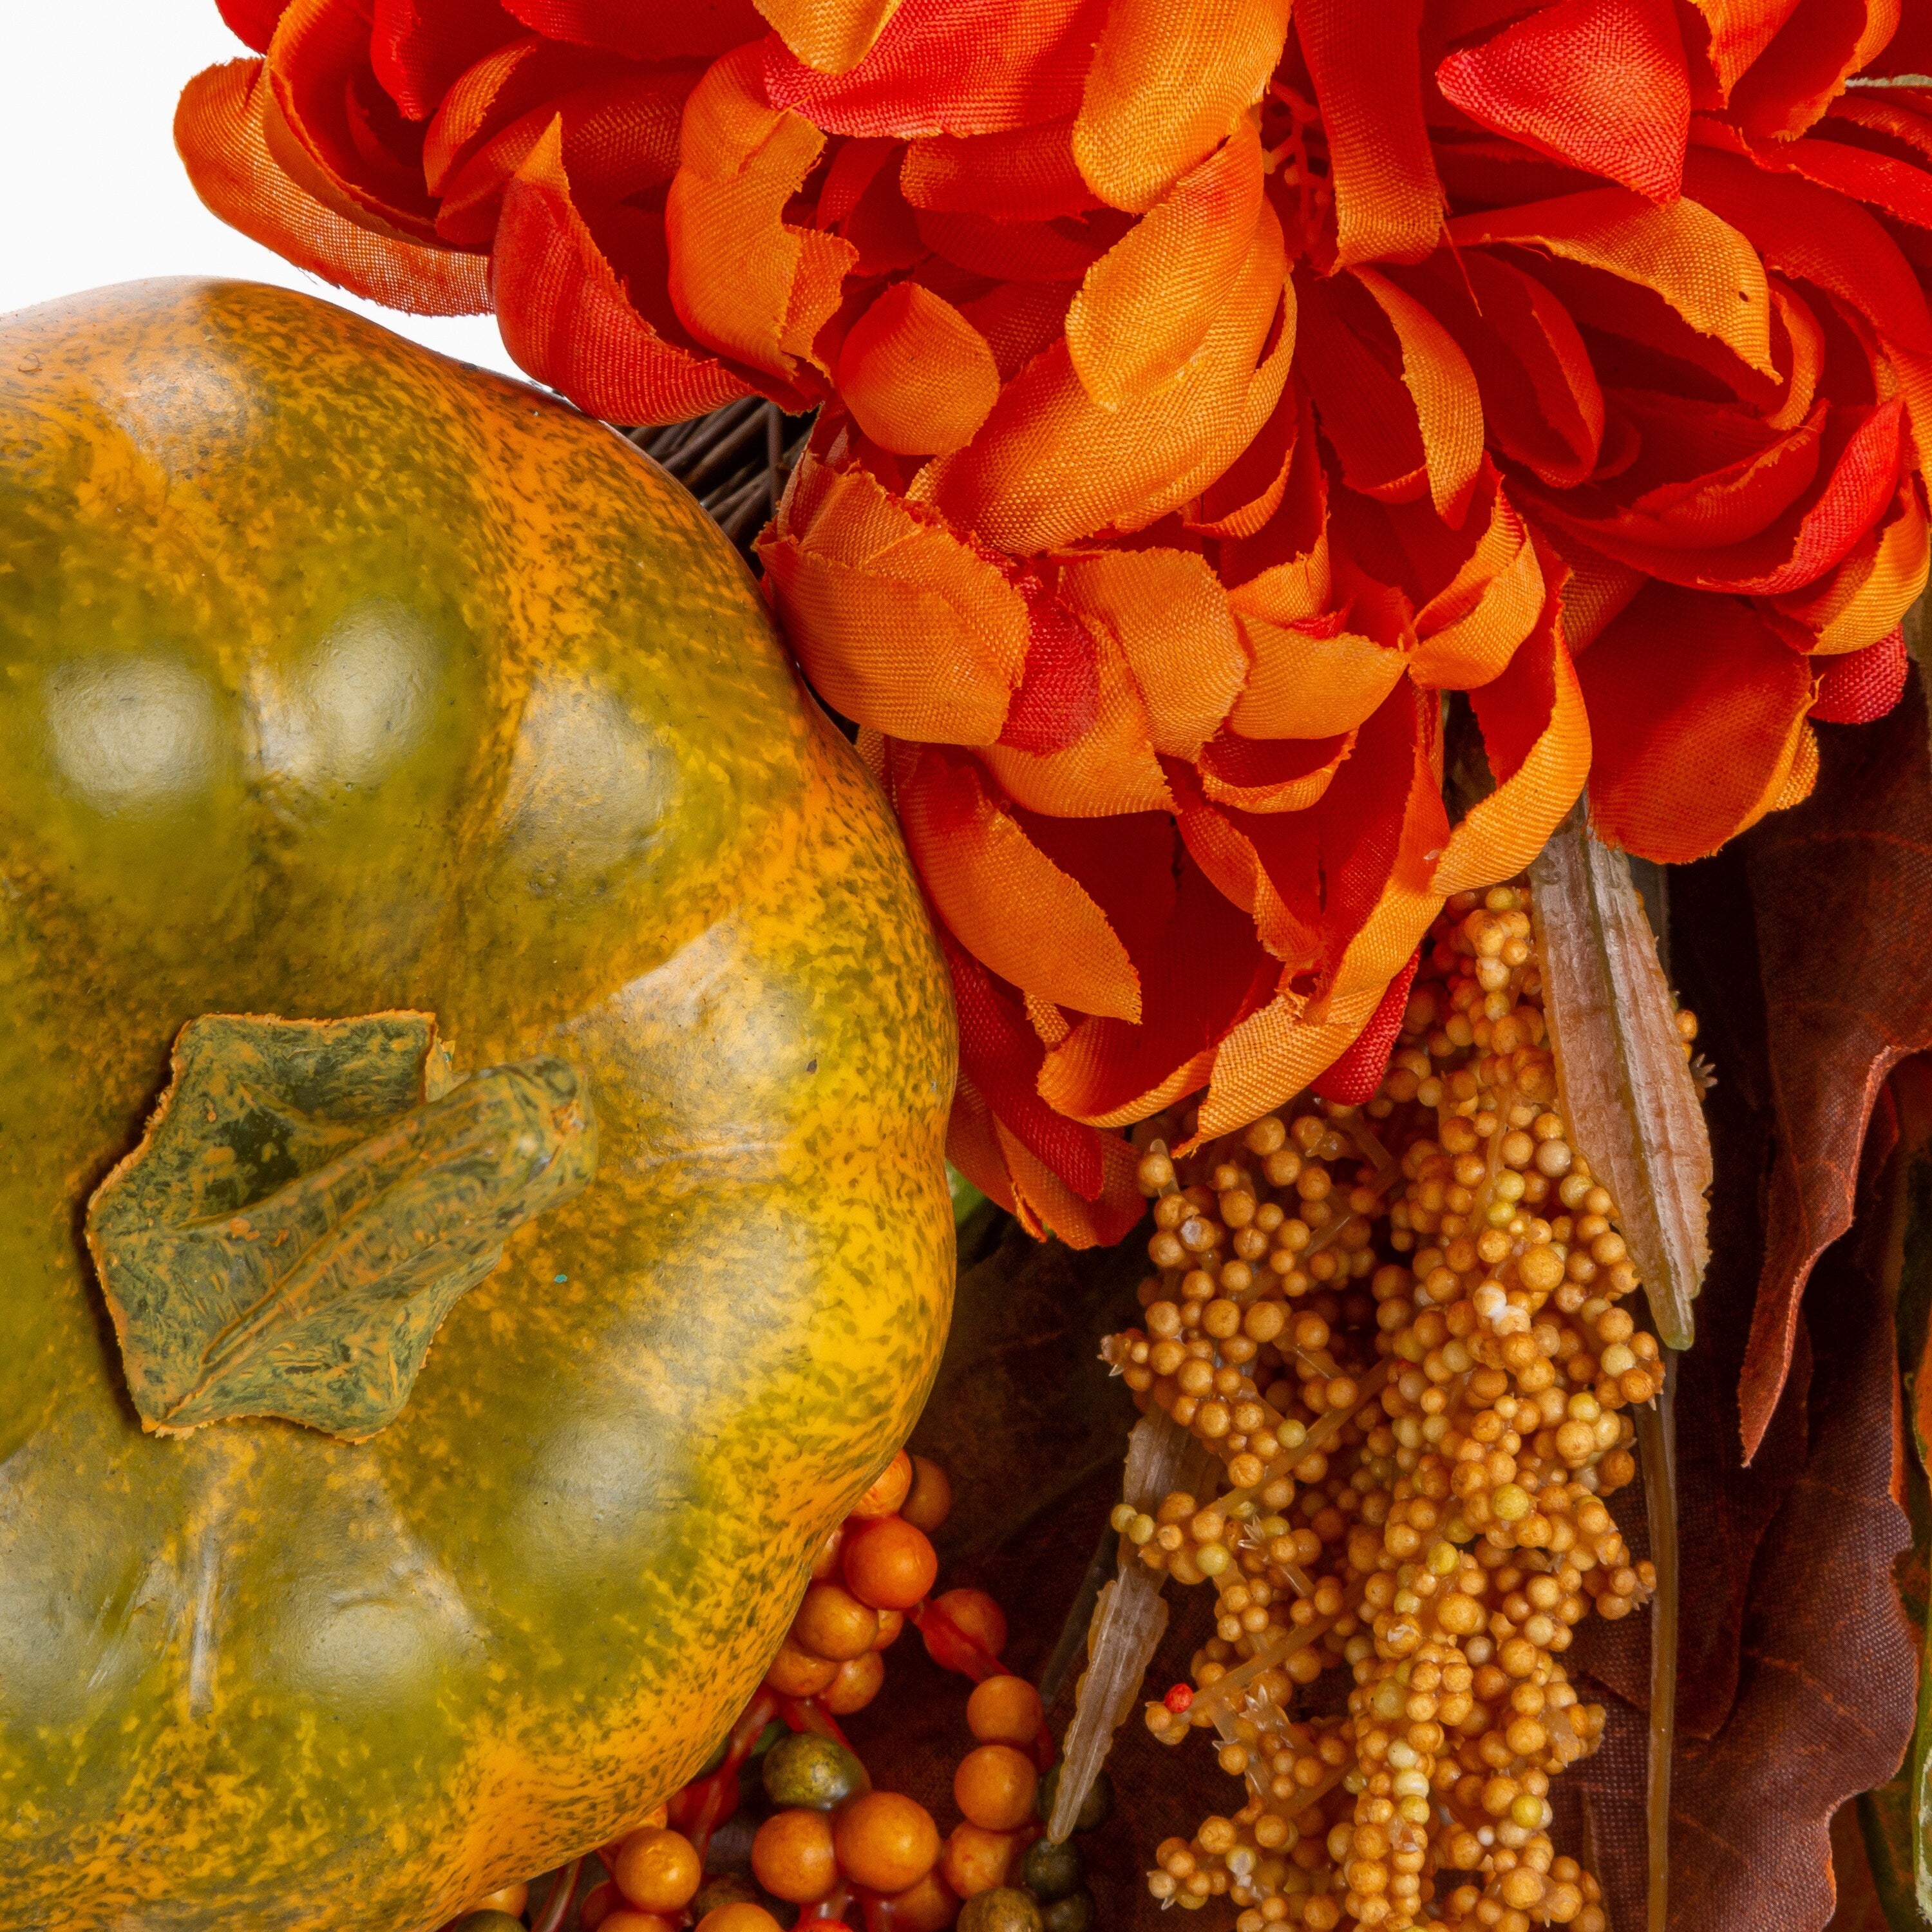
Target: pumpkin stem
310	1200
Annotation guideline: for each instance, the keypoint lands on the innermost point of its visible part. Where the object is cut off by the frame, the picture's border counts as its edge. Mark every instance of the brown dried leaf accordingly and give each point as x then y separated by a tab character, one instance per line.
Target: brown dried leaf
1626	1087
1841	889
1796	1666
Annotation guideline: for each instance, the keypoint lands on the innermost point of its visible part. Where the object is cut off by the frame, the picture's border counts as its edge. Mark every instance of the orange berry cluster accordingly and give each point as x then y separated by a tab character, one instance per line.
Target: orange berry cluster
1399	1330
833	1846
871	1570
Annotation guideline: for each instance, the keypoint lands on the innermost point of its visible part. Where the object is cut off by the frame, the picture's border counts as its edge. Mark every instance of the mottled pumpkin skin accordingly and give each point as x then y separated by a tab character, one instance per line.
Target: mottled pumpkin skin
335	677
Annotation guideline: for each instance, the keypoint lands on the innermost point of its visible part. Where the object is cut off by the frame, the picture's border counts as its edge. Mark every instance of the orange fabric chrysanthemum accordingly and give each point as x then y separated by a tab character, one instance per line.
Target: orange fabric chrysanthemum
1207	393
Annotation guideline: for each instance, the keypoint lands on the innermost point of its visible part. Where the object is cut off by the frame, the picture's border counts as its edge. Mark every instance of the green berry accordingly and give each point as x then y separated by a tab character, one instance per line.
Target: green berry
810	1770
1051	1871
1073	1913
1005	1908
487	1922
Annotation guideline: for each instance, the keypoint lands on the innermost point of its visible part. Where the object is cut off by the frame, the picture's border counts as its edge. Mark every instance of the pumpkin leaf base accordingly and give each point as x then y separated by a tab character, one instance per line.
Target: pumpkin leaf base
310	1201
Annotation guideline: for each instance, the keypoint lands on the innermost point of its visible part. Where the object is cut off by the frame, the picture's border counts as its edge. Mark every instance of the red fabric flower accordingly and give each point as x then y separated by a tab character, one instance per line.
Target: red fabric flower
1207	395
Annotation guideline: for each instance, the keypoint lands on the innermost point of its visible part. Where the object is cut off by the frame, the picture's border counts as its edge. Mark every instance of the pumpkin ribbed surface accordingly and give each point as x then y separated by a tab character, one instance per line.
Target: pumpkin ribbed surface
337	679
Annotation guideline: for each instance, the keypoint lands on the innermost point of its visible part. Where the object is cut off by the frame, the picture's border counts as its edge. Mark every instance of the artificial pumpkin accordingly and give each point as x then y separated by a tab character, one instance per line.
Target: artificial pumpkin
369	723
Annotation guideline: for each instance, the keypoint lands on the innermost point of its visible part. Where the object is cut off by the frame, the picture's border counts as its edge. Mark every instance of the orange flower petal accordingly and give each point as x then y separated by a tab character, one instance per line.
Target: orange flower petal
1019	320
1864	598
1050	465
1310	681
743	279
500	88
619	137
1448	408
1365	64
1270	775
1010	904
948	67
1468	631
1737	32
972	1146
1536	732
1205	974
1540	402
1387	875
1168	612
1169	81
918	377
1275	1053
1062	250
1144	307
1793	81
1048	1206
1694	259
1694	704
833	35
1397	396
1239	503
566	315
1857	470
1000	1057
336	131
1283	573
1026	176
900	624
1109	768
218	131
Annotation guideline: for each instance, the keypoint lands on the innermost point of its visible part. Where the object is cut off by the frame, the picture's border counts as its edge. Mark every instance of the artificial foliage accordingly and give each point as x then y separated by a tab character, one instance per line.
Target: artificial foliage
1207	393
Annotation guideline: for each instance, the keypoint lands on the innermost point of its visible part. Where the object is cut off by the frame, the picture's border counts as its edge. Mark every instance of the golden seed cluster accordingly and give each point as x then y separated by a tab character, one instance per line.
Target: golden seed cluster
1400	1330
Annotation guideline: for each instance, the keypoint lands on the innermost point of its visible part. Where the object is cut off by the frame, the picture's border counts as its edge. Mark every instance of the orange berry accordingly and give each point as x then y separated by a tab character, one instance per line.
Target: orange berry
832	1622
625	1918
740	1915
597	1905
1004	1711
825	1563
995	1785
927	1906
798	1673
510	1898
885	1842
929	1502
891	1622
977	1860
857	1683
888	1564
792	1856
977	1615
658	1871
888	1488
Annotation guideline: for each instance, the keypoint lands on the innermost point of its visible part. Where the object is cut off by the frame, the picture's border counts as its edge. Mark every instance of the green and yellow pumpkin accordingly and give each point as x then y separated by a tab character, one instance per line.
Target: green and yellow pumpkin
546	1234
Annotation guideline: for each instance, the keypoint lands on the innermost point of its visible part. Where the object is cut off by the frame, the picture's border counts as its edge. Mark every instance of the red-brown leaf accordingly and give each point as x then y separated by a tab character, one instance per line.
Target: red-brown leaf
1842	887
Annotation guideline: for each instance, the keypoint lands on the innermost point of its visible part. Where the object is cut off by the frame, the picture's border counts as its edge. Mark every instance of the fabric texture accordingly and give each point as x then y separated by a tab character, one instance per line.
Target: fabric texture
1205	393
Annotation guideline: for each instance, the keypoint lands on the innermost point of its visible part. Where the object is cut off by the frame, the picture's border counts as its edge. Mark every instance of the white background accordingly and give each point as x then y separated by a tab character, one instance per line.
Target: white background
94	192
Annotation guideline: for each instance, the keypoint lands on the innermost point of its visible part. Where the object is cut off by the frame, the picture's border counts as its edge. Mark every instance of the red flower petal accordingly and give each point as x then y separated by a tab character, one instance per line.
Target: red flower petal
253	22
1601	84
646	29
418	47
949	67
1861	686
1352	1080
569	319
218	131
